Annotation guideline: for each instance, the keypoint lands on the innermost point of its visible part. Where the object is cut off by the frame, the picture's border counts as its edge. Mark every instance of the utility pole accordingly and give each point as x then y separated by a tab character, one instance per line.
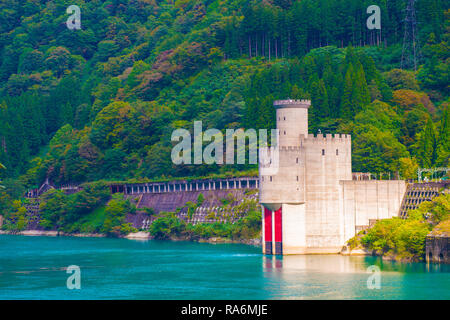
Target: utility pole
411	49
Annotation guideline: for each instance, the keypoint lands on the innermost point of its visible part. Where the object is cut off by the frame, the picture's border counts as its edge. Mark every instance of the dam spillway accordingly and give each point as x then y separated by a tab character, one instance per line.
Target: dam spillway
221	199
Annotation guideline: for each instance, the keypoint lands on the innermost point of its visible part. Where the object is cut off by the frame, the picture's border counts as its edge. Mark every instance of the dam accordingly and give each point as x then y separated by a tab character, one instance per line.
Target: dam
362	200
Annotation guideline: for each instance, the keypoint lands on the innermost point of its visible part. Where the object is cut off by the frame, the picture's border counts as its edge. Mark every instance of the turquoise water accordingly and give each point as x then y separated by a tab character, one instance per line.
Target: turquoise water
35	268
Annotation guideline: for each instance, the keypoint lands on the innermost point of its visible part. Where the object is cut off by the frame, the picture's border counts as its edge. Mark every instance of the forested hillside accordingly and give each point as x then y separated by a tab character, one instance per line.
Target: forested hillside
102	102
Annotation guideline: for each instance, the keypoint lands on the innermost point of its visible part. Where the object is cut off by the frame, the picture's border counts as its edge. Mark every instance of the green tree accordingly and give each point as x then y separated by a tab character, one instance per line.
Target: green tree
319	101
443	143
165	225
53	208
58	59
401	79
375	150
2	167
347	107
361	95
426	145
116	212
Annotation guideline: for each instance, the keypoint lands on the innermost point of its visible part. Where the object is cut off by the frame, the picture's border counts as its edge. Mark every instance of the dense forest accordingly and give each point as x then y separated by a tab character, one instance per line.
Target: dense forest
101	103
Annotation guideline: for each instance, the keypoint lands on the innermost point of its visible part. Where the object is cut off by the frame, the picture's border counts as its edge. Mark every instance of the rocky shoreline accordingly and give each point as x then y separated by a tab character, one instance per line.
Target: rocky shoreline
53	233
141	235
145	236
346	251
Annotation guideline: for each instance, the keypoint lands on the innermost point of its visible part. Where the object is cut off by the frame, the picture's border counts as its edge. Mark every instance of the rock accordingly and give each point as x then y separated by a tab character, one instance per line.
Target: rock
39	233
346	251
138	236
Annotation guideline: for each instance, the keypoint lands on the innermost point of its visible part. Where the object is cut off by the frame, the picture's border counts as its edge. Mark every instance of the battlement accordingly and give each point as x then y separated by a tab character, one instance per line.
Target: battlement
328	138
269	152
303	103
291	149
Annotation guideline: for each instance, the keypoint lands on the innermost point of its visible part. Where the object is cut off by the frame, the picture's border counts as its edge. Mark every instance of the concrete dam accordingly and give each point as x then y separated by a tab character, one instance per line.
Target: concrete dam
364	201
360	201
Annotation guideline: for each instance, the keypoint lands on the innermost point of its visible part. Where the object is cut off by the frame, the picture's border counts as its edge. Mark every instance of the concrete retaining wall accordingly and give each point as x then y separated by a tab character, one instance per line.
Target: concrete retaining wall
366	201
171	201
437	249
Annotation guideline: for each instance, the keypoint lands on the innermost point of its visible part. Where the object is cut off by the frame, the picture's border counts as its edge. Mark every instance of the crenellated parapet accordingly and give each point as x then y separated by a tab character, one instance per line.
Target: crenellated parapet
302	103
327	158
328	138
282	157
291	149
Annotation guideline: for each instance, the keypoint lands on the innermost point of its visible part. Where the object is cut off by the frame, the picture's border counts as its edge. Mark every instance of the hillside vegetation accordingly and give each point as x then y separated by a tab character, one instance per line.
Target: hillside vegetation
102	102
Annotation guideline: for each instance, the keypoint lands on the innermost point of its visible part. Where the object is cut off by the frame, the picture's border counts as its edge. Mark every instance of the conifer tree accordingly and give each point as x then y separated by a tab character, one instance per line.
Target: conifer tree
1	167
319	100
361	95
426	152
347	96
443	144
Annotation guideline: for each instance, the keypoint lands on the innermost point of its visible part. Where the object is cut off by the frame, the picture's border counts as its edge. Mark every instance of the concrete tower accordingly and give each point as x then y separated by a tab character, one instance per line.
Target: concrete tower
288	159
301	198
292	121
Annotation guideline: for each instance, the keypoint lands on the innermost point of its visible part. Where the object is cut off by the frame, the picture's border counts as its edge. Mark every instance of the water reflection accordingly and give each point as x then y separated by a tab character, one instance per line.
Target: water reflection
345	264
316	263
344	277
123	269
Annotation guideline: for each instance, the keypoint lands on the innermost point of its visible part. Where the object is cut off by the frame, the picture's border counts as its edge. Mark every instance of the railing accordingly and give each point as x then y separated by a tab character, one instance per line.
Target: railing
181	186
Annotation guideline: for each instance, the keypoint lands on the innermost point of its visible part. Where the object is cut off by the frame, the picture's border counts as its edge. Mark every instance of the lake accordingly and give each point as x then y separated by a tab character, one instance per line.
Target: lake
35	268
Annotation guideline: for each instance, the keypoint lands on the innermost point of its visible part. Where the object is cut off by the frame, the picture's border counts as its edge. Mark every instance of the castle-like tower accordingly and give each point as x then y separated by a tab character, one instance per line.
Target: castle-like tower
302	186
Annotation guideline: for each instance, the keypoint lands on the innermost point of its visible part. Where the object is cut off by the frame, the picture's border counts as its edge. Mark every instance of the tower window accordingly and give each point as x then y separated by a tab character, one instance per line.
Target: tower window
285	132
297	178
323	152
337	152
270	178
284	118
296	160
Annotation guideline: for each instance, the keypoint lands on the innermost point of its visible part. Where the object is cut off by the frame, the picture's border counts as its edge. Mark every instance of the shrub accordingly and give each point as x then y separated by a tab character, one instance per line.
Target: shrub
381	237
64	211
167	224
410	238
406	237
116	212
